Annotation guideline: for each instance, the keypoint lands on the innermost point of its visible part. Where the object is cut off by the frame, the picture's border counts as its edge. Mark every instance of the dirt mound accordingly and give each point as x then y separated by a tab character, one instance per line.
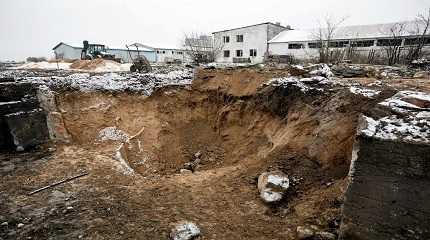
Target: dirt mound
96	65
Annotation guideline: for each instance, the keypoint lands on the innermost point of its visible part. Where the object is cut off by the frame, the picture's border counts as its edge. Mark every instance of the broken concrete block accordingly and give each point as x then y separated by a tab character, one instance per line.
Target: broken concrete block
7	79
184	231
272	186
27	128
388	194
15	91
17	106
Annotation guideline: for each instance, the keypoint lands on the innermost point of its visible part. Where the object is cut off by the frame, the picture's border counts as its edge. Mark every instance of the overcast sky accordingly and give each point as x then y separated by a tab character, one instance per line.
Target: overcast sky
34	27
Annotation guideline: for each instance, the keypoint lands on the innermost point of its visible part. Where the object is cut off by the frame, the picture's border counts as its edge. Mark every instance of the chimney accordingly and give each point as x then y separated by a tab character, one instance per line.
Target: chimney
278	23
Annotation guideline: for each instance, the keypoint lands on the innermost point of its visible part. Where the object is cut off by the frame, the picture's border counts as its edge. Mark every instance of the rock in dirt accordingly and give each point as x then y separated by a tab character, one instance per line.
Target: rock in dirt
185	171
184	231
273	186
326	235
304	232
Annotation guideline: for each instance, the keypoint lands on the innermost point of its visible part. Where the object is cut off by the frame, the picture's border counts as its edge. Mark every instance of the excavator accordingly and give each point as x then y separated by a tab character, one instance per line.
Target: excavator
94	51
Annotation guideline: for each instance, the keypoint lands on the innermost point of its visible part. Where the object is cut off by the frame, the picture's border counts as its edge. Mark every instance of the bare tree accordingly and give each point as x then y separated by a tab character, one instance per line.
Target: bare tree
325	35
422	30
393	45
201	48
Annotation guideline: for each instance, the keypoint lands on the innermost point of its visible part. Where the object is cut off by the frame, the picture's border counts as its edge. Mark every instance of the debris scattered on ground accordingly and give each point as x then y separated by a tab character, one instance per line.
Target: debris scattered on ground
231	125
58	183
184	231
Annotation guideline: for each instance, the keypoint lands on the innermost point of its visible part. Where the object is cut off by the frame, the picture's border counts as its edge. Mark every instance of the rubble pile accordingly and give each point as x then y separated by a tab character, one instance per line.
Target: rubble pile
380	72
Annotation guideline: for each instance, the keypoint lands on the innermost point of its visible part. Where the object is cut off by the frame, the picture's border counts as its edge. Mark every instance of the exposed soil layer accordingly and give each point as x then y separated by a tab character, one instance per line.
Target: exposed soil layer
240	129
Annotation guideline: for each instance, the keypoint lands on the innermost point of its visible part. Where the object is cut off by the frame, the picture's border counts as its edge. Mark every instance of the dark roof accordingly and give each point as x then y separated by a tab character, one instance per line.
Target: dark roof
269	23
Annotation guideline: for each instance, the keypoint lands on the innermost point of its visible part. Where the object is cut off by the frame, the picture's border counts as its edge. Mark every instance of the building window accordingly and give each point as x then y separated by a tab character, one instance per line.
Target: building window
295	46
389	42
226	53
314	45
158	52
173	52
226	39
253	52
239	38
366	43
239	53
339	44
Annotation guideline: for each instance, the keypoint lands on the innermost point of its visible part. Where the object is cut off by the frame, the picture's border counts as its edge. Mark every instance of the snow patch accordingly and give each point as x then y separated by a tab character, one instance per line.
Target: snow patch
185	231
398	103
369	93
113	134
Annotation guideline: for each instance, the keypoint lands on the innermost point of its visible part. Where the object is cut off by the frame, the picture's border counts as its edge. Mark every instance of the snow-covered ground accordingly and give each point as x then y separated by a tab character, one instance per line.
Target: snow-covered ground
106	66
113	81
411	124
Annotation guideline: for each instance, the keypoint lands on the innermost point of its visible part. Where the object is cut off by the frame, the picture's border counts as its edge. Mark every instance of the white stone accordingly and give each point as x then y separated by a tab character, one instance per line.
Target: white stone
185	171
326	235
184	231
270	196
304	233
272	186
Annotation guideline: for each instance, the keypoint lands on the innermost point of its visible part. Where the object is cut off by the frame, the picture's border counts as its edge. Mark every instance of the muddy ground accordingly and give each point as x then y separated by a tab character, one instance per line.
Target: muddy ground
240	128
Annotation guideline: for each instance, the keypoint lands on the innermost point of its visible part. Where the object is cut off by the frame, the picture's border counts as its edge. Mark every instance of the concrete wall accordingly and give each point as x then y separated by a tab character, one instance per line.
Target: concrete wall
388	196
254	37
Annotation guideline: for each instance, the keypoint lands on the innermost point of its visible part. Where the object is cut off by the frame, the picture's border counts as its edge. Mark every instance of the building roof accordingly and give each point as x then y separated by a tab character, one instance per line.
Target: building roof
142	48
349	32
249	26
63	43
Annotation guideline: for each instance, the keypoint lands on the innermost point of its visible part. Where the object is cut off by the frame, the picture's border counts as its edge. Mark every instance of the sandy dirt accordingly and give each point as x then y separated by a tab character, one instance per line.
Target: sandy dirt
239	132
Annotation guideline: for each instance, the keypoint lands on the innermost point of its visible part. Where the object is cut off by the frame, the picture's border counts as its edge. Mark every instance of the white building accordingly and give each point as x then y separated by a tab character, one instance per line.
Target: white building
171	55
245	44
158	55
73	51
305	44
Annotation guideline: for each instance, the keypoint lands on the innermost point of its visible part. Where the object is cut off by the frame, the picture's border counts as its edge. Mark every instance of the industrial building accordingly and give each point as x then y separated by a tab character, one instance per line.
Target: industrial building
305	44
